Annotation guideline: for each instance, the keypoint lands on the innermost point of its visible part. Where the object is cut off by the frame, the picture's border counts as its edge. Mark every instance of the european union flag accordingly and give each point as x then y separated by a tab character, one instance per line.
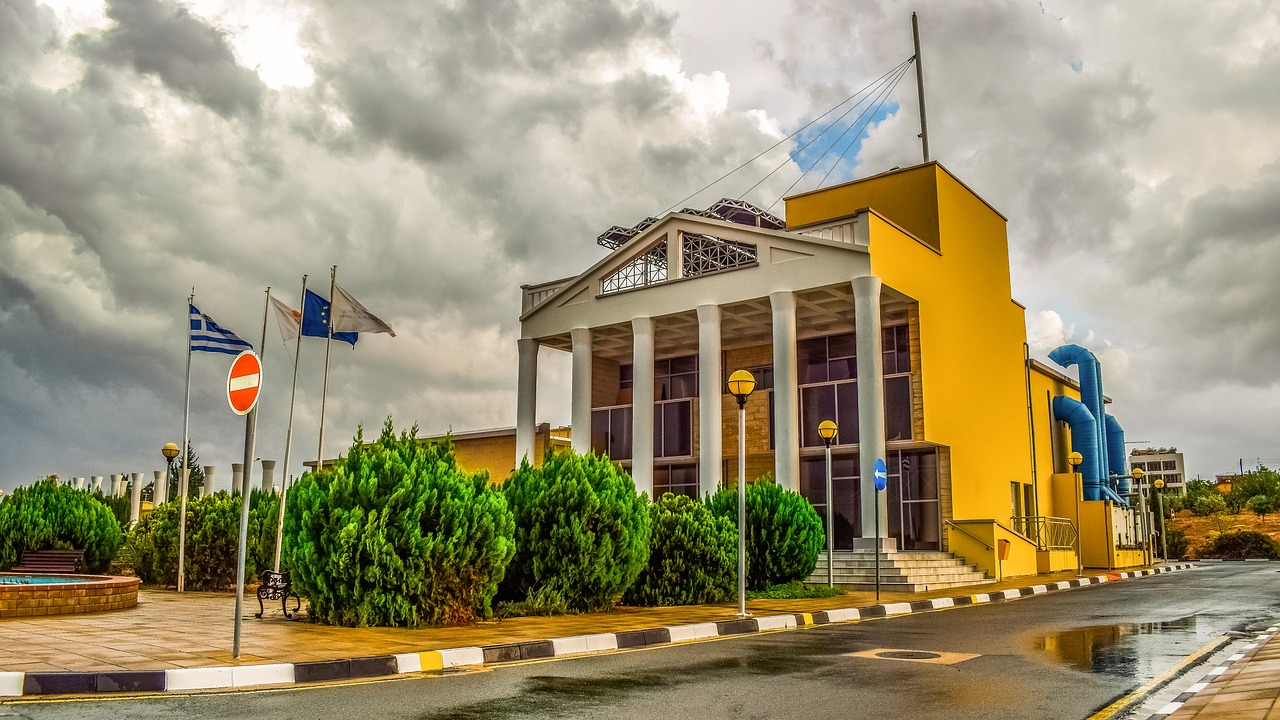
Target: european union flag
315	320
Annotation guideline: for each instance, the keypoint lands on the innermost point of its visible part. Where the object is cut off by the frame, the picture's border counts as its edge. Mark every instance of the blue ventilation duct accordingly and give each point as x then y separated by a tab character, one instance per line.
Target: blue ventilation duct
1115	455
1090	395
1084	440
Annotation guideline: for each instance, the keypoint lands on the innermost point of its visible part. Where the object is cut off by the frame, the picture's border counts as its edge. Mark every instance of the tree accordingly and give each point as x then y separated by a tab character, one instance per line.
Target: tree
48	515
1263	504
784	532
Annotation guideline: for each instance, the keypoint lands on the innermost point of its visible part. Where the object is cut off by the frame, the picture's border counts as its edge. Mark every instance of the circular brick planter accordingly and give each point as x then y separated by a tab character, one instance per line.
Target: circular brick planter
80	594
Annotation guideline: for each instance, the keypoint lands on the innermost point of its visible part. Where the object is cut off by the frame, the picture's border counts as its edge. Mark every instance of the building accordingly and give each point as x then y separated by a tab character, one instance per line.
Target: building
883	304
1159	464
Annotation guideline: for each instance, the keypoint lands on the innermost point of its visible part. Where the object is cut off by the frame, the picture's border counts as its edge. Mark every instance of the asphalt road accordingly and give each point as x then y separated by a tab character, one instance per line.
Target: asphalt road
1061	655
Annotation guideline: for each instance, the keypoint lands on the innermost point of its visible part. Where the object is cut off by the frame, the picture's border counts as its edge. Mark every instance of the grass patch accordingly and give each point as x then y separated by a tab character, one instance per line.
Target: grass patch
794	591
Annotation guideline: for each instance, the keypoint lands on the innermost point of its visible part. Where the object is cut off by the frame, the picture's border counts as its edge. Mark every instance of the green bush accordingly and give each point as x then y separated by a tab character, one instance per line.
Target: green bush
692	557
213	539
1263	505
396	534
1176	543
795	591
47	515
1241	545
784	532
117	504
1208	504
582	533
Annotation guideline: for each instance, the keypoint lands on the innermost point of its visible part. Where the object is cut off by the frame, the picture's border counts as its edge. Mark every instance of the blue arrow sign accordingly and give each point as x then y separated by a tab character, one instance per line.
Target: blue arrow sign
881	474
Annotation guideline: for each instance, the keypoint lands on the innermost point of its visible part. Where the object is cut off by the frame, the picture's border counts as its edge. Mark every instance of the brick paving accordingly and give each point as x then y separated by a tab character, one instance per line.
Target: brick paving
1248	690
169	630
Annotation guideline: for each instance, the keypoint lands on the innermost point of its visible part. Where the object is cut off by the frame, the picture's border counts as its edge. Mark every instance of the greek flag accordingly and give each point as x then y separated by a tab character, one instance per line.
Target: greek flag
206	336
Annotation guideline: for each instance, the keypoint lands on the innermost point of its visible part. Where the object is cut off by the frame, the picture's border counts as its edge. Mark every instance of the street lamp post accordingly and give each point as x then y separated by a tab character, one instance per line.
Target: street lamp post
827	431
1074	459
1164	545
1137	474
741	384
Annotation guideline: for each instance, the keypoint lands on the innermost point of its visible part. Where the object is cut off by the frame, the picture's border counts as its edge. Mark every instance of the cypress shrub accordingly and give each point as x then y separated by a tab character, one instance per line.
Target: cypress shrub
396	534
784	532
581	531
47	515
693	557
213	538
1242	545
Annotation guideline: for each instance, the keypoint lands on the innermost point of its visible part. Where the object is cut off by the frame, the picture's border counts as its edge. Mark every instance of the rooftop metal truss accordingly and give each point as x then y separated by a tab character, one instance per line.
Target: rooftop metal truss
727	209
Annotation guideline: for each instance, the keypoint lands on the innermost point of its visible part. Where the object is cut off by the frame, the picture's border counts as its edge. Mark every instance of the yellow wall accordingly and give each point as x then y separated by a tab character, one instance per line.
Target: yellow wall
971	331
1051	460
978	542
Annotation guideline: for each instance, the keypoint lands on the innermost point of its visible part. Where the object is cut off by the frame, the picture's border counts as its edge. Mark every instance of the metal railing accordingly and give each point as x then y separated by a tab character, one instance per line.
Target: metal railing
1046	531
961	530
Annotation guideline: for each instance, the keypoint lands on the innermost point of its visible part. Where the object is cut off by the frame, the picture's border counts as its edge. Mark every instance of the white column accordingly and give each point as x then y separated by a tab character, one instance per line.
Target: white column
866	312
159	487
237	478
527	401
77	483
207	490
581	403
117	487
642	404
710	394
786	393
97	482
268	475
135	498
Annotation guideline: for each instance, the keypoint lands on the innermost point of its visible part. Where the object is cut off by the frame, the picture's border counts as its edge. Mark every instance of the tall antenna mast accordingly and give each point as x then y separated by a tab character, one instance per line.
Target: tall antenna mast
924	125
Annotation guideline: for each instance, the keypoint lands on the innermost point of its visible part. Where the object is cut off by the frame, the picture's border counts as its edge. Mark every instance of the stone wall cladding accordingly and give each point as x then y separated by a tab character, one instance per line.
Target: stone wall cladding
99	594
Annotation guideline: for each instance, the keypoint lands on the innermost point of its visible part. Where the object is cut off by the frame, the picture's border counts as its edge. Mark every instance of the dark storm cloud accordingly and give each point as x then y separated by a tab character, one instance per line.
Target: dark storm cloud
164	39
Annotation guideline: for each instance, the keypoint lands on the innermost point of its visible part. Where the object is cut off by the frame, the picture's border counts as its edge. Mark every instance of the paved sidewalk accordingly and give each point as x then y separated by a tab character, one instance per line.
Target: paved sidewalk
168	630
1247	689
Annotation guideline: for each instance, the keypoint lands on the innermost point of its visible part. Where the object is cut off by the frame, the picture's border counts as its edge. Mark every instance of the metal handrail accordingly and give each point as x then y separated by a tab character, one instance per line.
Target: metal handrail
966	532
1047	532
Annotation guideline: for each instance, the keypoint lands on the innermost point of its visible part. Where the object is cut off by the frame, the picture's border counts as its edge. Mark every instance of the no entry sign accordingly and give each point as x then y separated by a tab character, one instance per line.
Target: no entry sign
244	382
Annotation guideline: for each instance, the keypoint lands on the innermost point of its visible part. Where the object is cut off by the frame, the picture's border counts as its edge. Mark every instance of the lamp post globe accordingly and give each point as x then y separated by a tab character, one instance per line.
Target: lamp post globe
1159	484
741	385
1075	459
1137	473
170	451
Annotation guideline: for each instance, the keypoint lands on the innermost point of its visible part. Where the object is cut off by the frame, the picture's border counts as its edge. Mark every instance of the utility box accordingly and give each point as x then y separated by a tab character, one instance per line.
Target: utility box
1003	548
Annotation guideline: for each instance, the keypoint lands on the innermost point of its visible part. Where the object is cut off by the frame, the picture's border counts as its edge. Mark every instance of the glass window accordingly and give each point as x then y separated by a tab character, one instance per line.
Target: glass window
844	485
1170	465
676	378
817	403
675	479
673	429
811	361
611	432
897	408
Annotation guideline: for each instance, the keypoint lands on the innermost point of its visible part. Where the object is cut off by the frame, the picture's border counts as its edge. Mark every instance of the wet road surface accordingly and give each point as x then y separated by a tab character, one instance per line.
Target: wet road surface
1061	655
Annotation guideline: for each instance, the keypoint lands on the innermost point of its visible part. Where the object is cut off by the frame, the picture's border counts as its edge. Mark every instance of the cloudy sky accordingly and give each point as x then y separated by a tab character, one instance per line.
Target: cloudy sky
442	153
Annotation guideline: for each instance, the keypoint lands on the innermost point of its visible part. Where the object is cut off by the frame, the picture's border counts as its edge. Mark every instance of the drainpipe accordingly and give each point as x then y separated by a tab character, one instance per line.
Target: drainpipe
1031	426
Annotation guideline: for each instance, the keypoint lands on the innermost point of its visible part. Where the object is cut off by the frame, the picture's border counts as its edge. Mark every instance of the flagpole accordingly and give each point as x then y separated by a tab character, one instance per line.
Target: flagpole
328	346
182	479
250	432
288	435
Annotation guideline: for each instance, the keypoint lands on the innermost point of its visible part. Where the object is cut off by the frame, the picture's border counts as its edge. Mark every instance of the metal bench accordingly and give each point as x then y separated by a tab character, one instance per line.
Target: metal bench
50	562
277	586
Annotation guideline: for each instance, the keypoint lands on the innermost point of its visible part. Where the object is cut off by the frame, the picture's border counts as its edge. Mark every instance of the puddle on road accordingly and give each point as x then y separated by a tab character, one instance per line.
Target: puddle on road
1124	649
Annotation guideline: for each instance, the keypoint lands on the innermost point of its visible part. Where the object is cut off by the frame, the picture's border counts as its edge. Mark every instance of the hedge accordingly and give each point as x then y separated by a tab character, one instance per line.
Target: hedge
47	515
784	532
693	556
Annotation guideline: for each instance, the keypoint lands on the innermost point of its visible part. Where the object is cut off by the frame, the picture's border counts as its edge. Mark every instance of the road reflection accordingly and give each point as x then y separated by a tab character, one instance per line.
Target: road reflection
1123	649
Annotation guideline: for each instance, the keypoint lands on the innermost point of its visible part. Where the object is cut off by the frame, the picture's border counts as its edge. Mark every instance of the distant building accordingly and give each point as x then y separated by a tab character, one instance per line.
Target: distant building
1223	482
1159	463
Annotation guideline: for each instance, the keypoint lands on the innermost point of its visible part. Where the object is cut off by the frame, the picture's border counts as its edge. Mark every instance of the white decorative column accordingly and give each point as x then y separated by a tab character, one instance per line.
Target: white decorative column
268	475
710	394
866	318
135	498
237	478
527	401
786	391
207	490
581	403
77	483
642	404
97	482
117	486
159	487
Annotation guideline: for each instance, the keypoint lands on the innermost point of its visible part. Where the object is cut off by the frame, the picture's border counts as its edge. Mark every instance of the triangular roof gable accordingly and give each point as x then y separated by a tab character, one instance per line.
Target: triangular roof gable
773	247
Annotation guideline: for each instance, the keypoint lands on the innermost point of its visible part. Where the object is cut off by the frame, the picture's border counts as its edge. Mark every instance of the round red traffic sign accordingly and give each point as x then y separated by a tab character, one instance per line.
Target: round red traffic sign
244	382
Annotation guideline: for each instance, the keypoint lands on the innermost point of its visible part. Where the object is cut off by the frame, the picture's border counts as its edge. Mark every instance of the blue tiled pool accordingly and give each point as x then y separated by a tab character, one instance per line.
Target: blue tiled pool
37	580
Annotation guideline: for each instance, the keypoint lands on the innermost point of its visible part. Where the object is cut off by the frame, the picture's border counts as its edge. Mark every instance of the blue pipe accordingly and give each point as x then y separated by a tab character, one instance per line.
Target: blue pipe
1115	455
1084	440
1091	396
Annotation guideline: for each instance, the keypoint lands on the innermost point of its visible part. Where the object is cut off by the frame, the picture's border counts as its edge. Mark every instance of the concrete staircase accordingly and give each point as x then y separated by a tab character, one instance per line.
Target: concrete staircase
901	571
